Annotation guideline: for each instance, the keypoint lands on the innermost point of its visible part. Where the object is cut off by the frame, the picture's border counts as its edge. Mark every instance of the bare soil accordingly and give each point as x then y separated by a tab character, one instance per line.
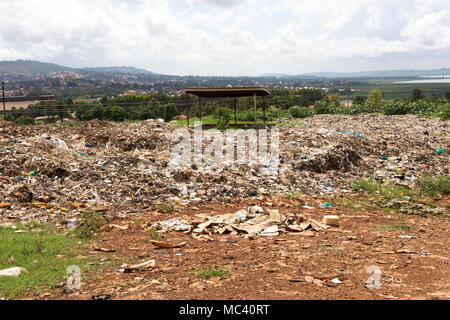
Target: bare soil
289	266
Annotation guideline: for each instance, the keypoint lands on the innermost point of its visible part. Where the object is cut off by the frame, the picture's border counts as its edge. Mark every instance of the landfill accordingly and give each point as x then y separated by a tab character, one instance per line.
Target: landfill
55	173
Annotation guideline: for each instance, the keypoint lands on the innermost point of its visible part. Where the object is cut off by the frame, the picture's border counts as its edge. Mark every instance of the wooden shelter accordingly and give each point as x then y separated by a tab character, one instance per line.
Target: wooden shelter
224	93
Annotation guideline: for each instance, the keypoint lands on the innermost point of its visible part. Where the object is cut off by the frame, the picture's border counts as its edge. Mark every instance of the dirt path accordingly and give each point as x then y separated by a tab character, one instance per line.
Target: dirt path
411	253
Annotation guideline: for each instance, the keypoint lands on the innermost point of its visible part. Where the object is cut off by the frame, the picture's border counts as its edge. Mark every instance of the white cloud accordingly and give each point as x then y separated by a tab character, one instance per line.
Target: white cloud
228	37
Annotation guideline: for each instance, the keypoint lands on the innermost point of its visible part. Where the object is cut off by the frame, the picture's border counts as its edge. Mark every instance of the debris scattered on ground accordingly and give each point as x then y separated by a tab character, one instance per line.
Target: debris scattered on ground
164	244
12	272
140	266
250	222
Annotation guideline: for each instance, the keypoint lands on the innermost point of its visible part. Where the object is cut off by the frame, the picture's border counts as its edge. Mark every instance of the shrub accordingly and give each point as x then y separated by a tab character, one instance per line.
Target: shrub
170	111
223	116
114	113
323	107
397	107
431	186
25	120
300	112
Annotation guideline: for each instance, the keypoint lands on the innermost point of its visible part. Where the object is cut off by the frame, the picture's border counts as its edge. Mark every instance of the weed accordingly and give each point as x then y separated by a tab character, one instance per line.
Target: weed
92	221
166	208
433	187
210	273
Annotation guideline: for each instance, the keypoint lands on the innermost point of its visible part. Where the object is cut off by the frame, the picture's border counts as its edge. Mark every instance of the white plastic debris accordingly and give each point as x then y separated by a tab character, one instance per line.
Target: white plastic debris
12	272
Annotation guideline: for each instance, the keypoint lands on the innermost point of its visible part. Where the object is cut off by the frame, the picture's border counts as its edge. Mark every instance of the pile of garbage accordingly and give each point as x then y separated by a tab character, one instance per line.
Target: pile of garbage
54	172
251	222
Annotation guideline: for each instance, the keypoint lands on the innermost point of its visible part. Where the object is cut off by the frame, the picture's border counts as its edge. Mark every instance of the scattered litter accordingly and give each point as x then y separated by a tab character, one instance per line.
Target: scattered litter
12	272
140	266
163	244
331	221
103	249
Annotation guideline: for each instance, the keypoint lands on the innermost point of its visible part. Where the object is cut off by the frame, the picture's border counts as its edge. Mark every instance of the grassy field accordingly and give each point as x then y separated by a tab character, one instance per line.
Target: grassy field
392	90
44	252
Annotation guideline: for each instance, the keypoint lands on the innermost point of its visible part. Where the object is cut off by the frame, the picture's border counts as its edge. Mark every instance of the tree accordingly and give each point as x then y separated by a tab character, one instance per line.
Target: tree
359	99
223	117
417	94
375	97
115	113
170	112
334	99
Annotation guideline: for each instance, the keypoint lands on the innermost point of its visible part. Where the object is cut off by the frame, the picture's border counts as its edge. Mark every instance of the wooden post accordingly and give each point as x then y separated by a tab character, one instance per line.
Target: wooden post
254	106
3	94
199	109
235	122
187	109
264	109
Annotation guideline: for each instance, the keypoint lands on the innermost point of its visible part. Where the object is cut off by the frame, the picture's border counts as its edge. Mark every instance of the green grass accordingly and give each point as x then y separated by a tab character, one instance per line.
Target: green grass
211	273
77	123
90	226
434	186
166	208
387	191
45	254
154	235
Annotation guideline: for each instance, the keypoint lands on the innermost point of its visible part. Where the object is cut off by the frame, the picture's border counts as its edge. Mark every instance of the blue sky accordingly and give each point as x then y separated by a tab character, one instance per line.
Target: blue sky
230	37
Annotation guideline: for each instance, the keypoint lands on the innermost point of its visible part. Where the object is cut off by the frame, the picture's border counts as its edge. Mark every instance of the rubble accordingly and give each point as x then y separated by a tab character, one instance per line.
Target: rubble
250	222
123	166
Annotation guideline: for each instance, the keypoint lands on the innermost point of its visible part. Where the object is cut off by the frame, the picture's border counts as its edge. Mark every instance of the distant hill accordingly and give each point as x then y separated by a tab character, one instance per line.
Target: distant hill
27	67
381	74
30	67
123	69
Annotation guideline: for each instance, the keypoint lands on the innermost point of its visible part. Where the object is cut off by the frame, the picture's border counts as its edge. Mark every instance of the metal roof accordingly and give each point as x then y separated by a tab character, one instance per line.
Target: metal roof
227	92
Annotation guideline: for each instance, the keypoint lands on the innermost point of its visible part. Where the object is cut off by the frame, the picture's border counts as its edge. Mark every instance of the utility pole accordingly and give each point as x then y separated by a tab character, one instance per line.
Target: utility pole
3	94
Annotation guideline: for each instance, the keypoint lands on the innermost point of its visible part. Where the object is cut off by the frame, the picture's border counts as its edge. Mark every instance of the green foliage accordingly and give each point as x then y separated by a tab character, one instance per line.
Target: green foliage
166	208
417	94
170	111
358	99
359	108
90	226
114	113
438	185
375	97
323	107
223	116
300	112
43	252
25	120
210	273
397	107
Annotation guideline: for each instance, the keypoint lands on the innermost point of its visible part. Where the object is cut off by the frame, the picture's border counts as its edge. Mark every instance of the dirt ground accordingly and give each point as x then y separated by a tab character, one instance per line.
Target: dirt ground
288	266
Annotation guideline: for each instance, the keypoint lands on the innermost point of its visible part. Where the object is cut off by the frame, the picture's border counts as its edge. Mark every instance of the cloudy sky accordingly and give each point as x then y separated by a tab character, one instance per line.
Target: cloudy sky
229	37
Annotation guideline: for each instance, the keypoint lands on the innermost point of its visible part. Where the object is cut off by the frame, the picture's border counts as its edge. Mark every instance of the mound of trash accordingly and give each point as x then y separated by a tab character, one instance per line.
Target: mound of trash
45	169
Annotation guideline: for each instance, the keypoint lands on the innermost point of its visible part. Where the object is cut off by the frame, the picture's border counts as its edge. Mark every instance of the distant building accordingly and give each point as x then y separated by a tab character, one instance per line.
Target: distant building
130	93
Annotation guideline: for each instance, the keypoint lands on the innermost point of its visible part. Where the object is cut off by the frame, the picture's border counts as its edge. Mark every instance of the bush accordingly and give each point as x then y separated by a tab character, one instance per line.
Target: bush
323	107
397	107
25	120
432	187
300	112
114	113
360	108
170	111
223	117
